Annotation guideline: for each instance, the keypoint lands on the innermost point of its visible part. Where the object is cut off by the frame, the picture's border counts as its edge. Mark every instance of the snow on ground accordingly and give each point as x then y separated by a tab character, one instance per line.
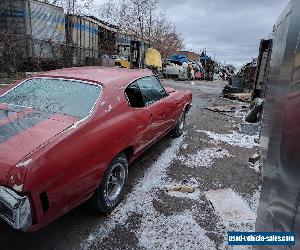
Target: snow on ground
255	167
173	232
204	157
253	201
234	211
157	231
234	139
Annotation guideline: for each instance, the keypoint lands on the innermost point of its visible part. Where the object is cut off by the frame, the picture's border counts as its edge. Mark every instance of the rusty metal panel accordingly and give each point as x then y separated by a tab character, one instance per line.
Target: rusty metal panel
280	197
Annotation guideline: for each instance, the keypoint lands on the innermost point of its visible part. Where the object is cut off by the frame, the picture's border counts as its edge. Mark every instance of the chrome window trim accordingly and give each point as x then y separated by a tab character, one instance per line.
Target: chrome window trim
92	110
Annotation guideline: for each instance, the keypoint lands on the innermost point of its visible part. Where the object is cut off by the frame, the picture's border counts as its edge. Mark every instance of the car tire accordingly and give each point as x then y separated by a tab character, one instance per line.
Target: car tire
110	191
179	128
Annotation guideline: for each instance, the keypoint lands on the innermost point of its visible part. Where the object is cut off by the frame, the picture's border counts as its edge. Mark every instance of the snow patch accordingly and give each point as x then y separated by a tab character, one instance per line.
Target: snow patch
253	201
156	230
184	146
234	139
173	232
230	206
204	157
232	209
255	167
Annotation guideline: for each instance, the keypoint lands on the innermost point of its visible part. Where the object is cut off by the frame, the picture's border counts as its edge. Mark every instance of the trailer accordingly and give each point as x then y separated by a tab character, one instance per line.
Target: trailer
82	39
279	208
22	24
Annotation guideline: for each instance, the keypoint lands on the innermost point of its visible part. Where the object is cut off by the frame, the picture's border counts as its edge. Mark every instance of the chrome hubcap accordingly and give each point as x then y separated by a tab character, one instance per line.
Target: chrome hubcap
115	182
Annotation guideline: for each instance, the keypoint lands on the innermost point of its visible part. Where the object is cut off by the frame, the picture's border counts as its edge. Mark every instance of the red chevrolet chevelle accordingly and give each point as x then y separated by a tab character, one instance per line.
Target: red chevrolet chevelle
67	136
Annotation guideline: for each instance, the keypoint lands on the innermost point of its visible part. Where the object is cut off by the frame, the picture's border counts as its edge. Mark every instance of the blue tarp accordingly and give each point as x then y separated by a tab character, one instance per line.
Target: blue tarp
179	58
205	58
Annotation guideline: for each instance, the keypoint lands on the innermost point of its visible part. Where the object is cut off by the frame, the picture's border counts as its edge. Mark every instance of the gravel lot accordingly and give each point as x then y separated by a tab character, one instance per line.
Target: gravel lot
212	157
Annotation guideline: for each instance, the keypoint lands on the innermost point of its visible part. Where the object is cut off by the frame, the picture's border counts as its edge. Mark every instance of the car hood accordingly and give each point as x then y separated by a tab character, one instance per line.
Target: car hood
22	130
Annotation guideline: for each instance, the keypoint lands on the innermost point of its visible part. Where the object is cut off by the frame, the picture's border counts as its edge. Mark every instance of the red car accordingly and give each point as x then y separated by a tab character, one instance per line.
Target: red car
67	136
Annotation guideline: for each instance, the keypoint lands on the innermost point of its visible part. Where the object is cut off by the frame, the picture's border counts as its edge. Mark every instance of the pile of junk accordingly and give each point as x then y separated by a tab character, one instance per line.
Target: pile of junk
240	85
251	83
181	68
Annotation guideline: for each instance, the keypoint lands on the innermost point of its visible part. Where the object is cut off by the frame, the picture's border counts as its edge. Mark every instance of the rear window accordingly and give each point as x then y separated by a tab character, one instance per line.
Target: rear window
66	97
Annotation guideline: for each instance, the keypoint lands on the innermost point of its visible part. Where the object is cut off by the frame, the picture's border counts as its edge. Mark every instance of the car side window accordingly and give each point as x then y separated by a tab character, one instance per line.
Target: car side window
151	90
134	96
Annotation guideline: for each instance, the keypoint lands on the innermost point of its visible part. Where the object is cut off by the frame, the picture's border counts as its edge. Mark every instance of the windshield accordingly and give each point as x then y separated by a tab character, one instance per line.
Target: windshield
68	97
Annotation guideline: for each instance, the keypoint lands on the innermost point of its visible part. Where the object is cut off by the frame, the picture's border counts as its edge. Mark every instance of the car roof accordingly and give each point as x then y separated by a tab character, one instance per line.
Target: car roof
112	76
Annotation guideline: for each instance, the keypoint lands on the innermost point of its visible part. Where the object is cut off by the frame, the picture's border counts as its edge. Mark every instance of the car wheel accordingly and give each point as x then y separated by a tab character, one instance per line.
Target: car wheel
110	191
178	130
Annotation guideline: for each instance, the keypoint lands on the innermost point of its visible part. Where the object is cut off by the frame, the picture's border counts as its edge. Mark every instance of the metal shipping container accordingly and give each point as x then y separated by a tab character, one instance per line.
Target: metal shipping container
279	208
82	35
41	25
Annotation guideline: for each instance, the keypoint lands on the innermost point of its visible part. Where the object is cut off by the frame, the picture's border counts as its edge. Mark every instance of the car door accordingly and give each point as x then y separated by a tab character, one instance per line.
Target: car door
159	105
140	116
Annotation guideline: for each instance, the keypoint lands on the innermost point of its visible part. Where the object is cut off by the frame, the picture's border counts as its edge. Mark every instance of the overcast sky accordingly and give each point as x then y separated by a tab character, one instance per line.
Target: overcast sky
231	29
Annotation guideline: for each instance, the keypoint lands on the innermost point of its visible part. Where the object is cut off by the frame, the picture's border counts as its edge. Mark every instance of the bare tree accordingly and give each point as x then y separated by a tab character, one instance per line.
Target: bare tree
143	19
72	6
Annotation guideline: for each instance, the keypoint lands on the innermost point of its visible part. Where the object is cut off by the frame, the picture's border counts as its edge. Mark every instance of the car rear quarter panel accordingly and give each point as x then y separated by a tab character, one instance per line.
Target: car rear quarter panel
71	166
182	99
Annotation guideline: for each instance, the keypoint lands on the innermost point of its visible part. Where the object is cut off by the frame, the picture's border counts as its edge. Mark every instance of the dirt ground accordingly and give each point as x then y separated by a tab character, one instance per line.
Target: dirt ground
212	157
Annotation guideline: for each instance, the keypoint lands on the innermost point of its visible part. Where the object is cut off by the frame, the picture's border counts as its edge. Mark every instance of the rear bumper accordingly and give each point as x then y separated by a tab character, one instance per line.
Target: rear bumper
15	209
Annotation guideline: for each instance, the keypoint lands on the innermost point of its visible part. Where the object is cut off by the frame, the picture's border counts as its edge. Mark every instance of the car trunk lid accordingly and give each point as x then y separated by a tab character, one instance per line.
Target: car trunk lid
22	130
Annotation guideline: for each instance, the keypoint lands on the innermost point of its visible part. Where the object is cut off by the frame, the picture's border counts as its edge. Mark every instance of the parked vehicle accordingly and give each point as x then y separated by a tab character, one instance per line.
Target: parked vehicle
67	136
279	204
